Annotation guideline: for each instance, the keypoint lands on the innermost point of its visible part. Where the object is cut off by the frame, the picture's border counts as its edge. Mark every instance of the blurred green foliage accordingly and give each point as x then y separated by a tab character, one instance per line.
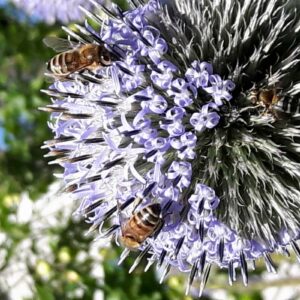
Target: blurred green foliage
23	58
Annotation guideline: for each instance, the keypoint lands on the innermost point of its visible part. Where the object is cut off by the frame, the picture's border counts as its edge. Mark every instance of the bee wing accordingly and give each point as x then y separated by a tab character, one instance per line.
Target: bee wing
59	44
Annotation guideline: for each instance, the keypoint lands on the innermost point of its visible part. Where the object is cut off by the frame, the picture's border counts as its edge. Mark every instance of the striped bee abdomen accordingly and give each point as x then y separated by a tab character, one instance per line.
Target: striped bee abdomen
141	225
290	105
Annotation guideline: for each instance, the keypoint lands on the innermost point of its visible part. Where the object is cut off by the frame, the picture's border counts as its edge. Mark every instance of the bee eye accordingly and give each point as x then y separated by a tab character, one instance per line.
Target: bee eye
105	59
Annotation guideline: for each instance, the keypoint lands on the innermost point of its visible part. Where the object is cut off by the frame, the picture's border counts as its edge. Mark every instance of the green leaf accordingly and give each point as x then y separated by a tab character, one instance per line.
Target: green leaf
44	293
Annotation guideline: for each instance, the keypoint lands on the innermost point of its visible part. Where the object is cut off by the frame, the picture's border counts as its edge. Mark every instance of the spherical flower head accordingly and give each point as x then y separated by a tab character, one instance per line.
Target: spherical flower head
197	118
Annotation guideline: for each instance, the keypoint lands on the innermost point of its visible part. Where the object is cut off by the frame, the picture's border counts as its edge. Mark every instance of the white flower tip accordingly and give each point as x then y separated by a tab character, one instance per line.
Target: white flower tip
25	209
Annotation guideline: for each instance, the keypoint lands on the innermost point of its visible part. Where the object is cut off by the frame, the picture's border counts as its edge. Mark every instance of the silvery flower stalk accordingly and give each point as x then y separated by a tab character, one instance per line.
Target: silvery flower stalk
63	11
178	119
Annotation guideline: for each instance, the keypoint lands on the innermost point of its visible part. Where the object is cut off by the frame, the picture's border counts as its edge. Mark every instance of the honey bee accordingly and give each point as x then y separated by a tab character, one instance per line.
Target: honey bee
140	226
266	98
76	57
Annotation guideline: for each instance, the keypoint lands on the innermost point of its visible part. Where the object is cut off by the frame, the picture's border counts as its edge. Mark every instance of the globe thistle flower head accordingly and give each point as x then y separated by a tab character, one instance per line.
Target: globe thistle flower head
53	11
197	119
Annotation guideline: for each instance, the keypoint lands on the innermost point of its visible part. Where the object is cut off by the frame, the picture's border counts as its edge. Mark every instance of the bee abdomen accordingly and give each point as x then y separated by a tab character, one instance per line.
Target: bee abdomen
147	218
55	65
149	215
64	63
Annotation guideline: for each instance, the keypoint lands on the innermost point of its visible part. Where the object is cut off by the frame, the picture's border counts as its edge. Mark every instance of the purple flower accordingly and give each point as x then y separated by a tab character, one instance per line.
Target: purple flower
170	123
219	89
205	119
53	11
199	73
